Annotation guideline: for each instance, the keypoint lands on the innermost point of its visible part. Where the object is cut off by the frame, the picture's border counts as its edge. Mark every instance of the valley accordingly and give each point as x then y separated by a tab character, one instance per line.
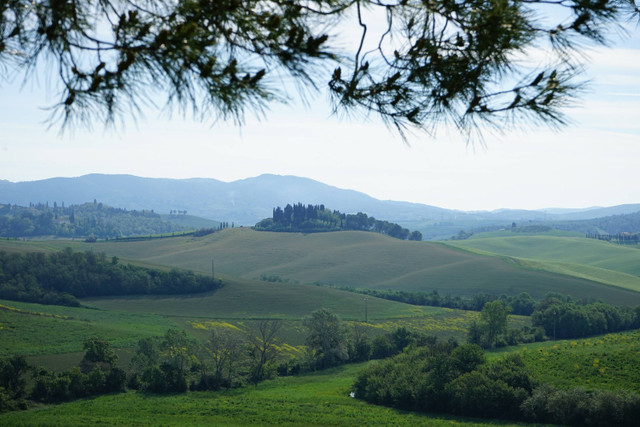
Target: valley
287	277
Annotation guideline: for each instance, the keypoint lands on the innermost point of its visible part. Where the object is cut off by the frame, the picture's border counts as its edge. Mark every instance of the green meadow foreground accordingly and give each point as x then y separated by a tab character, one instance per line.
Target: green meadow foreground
606	362
314	399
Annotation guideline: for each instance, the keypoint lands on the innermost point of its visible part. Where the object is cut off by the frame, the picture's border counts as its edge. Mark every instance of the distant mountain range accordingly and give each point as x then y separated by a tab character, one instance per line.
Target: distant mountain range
247	201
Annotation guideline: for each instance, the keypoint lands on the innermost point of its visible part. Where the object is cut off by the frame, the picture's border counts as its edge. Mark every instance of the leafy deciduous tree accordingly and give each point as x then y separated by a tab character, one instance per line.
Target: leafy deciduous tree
263	348
326	337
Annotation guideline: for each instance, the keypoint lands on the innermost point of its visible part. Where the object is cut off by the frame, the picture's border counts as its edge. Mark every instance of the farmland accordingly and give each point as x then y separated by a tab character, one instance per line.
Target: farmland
34	329
298	268
590	259
361	259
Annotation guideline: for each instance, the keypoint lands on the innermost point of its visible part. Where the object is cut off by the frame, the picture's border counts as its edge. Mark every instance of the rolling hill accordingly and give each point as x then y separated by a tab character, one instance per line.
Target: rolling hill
247	201
359	259
244	201
574	250
588	258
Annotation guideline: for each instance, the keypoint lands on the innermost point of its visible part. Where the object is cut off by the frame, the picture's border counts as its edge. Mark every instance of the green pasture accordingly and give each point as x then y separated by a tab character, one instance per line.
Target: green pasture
252	299
34	329
319	399
241	303
605	362
46	333
588	258
442	323
588	272
357	259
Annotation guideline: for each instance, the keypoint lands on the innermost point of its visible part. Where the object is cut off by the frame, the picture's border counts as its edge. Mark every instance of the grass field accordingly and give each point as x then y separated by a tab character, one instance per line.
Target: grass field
577	256
251	299
53	336
356	259
320	399
607	362
34	329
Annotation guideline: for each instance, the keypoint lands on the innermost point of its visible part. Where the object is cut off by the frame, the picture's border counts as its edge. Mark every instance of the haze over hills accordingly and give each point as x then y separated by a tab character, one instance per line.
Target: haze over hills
247	201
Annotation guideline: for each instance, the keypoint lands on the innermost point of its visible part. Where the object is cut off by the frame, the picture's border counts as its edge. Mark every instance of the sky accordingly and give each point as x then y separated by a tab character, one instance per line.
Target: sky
595	161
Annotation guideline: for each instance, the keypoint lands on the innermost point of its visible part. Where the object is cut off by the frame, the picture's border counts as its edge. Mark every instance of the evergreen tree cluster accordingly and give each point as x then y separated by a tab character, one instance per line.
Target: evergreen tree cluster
299	218
61	277
89	219
619	238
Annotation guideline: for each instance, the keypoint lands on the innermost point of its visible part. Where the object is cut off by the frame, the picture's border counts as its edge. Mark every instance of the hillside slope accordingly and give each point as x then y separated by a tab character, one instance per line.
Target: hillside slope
598	260
576	250
357	259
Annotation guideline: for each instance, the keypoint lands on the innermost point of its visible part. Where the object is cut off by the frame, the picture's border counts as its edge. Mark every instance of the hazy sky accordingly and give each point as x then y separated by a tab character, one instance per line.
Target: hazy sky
594	161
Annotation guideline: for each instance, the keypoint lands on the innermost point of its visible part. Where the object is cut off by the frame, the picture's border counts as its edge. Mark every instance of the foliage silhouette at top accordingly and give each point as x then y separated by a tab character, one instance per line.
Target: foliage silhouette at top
315	218
428	63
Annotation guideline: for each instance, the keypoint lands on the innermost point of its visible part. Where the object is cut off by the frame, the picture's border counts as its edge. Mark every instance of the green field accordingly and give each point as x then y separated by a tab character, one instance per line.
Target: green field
608	362
34	329
45	330
590	259
356	259
251	299
320	399
53	336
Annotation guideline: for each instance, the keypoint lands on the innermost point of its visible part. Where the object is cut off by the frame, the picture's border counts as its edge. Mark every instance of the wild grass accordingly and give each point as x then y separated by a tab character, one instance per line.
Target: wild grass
607	362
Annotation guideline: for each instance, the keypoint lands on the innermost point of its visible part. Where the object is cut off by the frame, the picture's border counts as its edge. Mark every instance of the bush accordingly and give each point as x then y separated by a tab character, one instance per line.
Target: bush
579	407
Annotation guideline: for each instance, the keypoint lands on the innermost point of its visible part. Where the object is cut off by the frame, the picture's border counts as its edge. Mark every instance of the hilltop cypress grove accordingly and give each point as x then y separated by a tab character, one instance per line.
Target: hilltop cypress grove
299	218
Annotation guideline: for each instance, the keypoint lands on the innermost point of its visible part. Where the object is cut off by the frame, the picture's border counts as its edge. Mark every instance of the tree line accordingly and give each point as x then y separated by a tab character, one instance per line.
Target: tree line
62	277
316	218
420	372
88	219
557	315
612	224
554	316
622	238
522	304
229	357
97	374
563	317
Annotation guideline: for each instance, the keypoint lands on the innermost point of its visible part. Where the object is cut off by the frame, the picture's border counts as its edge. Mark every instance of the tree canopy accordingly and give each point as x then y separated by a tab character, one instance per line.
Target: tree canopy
414	63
